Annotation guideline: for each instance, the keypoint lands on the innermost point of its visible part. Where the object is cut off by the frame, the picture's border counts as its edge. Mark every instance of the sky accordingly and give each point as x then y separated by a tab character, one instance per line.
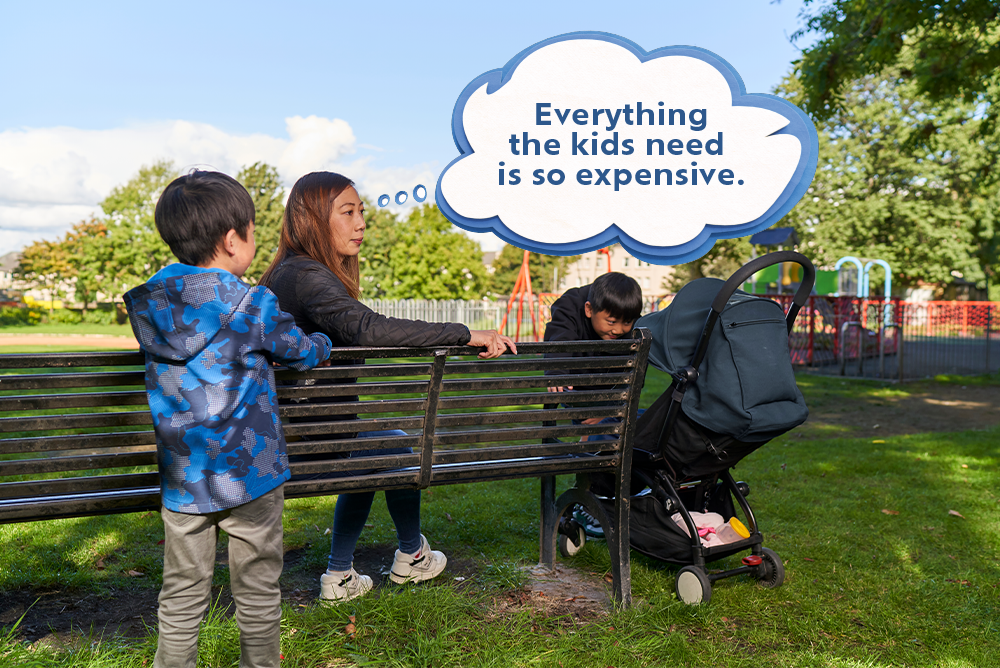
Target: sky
90	92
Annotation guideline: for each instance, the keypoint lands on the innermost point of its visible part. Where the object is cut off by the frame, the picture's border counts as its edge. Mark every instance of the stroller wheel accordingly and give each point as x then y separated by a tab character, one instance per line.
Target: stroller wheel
693	586
771	569
570	546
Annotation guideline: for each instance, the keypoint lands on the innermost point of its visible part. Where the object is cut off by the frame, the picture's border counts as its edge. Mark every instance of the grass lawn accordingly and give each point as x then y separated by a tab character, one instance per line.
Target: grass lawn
81	329
880	571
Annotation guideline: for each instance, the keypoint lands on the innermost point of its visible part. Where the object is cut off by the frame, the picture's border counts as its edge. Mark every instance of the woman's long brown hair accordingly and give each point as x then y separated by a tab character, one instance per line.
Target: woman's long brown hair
306	228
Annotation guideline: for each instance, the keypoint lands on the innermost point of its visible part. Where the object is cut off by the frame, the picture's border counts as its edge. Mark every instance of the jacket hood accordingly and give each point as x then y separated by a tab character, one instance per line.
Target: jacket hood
181	308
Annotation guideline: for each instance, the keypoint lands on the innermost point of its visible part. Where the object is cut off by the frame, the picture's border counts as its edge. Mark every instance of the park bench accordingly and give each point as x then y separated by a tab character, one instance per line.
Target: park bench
76	433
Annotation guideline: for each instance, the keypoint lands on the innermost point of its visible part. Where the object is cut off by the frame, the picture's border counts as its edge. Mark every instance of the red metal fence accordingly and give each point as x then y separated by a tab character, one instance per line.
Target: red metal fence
875	338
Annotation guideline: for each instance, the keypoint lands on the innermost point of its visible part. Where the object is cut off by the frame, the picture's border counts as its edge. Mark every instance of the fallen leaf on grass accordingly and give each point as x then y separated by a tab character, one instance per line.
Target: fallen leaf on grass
951	556
448	517
965	466
807	559
161	542
135	574
100	565
956	514
608	578
964	583
890	512
327	532
878	441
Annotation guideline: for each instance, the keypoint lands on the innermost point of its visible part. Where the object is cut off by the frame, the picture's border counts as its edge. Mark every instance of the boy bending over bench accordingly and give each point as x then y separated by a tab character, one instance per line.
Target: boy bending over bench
209	340
606	309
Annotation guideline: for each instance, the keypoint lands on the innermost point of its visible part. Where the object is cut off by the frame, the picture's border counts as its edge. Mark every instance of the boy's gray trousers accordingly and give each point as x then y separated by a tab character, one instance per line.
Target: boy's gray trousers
255	561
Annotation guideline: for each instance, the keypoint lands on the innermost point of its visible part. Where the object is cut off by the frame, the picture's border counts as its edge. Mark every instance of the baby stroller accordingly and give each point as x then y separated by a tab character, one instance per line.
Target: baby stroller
733	390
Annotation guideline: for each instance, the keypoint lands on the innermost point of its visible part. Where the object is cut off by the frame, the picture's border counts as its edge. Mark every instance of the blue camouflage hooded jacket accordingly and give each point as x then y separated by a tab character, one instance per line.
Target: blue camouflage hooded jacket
209	340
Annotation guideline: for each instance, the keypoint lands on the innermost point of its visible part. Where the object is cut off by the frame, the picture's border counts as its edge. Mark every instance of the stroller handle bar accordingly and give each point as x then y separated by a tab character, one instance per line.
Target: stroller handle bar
762	262
740	277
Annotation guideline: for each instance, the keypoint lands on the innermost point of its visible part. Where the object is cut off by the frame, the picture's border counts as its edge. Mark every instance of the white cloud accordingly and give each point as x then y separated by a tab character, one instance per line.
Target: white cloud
51	178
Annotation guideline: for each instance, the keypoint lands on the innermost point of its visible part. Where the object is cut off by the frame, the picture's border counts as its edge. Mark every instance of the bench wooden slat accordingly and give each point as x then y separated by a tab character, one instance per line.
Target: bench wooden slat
77	400
352	426
77	485
40	444
339	373
527	382
511	417
348	445
75	421
77	463
353	407
50	381
529	399
469	455
501	365
524	433
351	389
71	360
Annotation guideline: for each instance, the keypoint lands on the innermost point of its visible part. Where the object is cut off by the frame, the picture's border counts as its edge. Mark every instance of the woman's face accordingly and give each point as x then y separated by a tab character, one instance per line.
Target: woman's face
347	222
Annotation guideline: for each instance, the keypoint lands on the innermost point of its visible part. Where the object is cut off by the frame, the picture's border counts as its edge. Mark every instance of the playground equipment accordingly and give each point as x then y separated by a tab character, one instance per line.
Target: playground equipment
522	288
863	290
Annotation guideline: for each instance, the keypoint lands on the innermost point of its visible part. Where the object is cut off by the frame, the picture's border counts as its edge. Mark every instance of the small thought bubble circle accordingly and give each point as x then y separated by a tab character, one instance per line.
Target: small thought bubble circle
419	195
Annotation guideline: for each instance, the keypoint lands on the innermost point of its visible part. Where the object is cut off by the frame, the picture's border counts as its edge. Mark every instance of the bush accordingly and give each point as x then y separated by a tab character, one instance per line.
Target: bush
64	316
101	316
20	315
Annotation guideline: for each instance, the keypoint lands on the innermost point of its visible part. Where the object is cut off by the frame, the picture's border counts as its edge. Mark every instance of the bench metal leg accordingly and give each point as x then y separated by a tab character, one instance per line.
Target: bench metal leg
550	520
617	540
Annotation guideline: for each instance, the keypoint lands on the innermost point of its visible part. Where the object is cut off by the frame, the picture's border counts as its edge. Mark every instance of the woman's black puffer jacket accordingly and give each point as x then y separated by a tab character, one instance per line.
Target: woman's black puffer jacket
319	302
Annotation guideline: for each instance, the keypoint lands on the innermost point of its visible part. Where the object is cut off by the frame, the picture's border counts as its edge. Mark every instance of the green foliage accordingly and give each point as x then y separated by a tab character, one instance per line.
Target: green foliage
48	265
133	248
381	237
886	188
507	266
264	185
721	260
430	259
947	50
14	315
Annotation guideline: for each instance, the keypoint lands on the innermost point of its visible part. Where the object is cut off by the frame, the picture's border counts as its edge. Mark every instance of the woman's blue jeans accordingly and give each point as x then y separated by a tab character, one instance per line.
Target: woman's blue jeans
352	511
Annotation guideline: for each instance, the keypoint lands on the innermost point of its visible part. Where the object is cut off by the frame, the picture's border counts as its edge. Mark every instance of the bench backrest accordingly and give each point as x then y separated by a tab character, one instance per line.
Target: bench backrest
76	432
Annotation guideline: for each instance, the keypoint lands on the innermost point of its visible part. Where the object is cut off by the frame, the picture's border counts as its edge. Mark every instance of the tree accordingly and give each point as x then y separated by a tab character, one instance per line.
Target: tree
541	268
948	50
430	259
90	255
722	259
879	193
264	185
136	251
381	238
46	264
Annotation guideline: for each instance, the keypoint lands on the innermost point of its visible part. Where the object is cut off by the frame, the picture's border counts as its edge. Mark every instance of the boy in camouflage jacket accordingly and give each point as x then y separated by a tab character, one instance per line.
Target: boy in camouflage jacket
209	340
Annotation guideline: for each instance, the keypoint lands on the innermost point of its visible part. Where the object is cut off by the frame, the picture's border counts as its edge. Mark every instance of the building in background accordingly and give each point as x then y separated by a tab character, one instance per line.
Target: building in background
591	265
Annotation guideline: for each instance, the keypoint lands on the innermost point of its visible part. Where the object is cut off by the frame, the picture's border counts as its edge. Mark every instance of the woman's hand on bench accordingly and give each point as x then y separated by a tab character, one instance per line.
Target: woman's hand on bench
494	342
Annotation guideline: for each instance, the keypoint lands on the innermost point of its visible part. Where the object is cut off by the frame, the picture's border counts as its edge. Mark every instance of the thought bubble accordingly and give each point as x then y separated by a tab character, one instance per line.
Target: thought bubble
584	140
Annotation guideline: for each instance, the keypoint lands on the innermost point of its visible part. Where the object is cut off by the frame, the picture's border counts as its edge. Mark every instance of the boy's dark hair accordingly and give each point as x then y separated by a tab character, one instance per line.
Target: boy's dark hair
196	211
618	294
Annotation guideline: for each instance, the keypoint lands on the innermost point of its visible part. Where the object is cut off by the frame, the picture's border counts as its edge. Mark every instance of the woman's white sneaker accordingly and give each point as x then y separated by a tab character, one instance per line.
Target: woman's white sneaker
343	586
426	564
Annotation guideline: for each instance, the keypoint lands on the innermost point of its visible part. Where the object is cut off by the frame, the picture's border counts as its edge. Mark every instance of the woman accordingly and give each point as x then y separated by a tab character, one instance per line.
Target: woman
315	276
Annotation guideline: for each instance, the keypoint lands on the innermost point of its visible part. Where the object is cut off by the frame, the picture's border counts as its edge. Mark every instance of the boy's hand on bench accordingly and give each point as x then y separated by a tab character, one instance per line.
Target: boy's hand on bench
567	388
494	342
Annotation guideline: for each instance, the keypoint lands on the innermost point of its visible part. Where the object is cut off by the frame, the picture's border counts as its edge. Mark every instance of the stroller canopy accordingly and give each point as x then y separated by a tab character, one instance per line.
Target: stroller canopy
746	388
